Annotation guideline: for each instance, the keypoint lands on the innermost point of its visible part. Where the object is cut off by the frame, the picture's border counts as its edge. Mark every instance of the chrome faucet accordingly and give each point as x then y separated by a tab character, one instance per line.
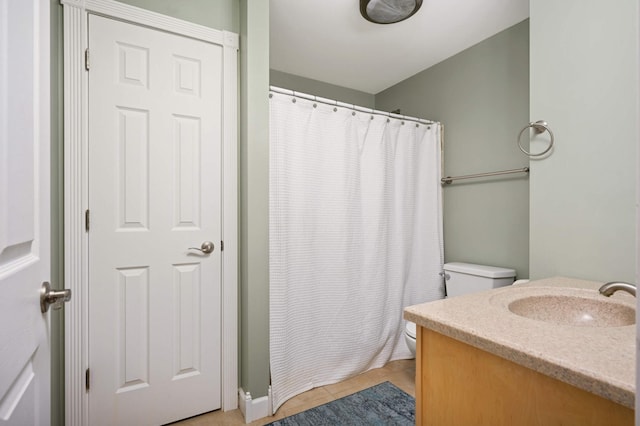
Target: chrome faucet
609	288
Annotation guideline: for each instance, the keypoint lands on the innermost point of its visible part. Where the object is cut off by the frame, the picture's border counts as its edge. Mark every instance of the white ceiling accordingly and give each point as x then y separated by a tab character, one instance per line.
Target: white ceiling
328	40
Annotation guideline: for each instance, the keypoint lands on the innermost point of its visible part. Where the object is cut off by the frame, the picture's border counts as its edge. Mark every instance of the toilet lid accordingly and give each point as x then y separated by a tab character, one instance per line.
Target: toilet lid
410	329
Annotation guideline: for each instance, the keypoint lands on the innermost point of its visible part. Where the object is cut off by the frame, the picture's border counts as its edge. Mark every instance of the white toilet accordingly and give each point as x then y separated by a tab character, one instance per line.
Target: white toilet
463	278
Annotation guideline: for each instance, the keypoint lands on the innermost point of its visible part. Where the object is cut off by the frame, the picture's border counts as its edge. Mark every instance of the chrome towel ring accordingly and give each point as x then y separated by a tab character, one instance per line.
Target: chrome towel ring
539	126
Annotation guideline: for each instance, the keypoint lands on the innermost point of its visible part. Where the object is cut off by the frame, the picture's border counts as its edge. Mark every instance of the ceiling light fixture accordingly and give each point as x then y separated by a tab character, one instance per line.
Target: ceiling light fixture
388	11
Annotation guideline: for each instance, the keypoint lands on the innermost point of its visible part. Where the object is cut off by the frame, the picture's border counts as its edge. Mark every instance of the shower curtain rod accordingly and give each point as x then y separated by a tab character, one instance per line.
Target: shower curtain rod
349	106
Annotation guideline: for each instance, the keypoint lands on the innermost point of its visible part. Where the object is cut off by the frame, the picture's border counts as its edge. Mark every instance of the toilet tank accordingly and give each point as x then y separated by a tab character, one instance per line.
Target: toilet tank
462	278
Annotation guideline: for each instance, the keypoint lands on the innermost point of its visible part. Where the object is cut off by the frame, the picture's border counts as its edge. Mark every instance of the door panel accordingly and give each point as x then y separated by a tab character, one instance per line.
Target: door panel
24	212
154	192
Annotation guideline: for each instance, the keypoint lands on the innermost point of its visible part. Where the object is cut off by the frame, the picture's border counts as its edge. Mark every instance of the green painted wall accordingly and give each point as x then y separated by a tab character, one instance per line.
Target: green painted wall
254	178
218	14
57	214
584	83
481	95
320	88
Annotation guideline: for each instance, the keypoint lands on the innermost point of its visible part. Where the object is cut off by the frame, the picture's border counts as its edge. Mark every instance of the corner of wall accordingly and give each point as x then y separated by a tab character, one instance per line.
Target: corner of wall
254	198
254	409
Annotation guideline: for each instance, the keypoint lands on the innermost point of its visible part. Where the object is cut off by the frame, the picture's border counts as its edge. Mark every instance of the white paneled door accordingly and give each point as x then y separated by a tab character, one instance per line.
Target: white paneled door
155	104
24	211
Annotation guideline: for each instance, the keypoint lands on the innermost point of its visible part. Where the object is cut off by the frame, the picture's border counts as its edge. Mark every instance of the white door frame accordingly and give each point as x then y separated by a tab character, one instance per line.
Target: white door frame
76	161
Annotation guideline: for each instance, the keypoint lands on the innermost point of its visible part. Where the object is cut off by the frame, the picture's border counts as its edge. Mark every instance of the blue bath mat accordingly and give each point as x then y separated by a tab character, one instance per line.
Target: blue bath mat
382	404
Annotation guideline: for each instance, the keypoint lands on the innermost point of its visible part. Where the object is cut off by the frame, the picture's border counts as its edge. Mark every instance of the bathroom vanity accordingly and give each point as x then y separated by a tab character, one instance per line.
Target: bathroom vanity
553	351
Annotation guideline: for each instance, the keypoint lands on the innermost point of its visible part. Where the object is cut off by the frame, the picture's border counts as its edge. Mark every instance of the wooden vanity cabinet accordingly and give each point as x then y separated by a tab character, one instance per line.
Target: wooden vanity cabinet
458	384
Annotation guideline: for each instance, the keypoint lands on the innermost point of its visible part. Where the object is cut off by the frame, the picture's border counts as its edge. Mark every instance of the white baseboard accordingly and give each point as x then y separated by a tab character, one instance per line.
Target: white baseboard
254	409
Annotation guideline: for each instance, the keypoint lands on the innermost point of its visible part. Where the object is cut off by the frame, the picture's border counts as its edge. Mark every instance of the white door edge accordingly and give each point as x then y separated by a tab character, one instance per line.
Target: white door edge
25	189
75	14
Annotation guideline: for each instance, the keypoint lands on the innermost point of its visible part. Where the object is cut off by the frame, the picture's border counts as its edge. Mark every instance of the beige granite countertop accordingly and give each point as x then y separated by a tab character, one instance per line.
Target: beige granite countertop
600	360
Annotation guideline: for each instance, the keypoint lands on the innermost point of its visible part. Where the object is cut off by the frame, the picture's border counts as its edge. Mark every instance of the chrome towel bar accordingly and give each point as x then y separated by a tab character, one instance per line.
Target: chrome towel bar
450	179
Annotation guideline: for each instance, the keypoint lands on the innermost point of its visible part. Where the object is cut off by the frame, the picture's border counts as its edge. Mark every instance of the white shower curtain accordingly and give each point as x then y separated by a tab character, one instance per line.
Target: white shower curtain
355	236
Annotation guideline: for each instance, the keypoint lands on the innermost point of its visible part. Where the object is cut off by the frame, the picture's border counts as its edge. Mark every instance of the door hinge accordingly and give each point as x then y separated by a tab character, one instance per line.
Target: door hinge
87	379
87	220
86	59
221	245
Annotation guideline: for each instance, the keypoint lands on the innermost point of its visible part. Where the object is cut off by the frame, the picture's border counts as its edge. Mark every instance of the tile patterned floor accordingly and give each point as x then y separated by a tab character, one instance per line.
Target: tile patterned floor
400	373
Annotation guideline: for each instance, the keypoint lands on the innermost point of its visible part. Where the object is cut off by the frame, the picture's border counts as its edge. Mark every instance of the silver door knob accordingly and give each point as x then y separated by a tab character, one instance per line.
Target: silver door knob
50	297
206	247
